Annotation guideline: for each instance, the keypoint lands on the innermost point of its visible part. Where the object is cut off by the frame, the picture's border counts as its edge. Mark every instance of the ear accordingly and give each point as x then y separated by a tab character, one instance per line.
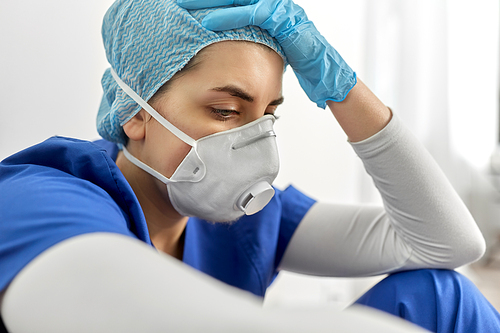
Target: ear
135	128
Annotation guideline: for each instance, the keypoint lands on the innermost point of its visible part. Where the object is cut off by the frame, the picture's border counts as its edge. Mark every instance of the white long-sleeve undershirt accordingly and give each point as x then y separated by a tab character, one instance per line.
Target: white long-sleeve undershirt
423	224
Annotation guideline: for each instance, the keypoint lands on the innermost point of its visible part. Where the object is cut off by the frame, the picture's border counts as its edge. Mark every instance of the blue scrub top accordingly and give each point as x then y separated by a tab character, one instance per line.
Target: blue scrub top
65	187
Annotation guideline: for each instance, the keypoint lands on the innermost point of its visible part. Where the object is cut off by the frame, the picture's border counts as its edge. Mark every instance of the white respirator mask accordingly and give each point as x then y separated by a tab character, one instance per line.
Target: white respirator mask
225	175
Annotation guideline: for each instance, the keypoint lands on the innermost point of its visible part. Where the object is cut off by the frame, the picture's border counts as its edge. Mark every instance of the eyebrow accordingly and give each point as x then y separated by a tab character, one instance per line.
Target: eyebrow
240	93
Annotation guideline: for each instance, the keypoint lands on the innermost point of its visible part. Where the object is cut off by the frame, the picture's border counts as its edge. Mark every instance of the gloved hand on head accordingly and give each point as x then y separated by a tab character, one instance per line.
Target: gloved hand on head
321	71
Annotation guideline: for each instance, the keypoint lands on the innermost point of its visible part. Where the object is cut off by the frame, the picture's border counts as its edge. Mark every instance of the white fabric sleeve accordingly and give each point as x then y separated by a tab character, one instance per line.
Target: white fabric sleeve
423	224
103	283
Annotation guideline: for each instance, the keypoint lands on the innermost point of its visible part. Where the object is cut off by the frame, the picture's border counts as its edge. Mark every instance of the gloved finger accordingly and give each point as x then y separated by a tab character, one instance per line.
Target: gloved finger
230	18
199	4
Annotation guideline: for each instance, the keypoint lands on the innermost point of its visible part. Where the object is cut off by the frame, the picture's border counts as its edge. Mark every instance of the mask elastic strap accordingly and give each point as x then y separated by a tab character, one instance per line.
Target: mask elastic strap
146	167
159	118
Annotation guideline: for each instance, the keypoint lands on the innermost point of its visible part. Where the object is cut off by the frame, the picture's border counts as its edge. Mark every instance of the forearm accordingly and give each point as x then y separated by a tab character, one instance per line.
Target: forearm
111	283
361	114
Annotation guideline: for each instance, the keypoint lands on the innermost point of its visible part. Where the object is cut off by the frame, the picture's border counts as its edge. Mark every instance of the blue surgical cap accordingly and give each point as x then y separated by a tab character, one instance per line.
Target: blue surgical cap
147	42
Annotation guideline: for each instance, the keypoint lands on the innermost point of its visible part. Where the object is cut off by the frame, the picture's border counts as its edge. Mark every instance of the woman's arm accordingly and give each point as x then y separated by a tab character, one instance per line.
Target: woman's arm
112	283
361	114
424	224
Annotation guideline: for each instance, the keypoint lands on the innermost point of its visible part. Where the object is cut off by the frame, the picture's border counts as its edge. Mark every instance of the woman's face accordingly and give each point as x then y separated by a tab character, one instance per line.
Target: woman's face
232	84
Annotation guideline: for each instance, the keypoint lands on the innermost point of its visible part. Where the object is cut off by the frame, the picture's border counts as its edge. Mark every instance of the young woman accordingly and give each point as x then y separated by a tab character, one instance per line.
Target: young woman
89	232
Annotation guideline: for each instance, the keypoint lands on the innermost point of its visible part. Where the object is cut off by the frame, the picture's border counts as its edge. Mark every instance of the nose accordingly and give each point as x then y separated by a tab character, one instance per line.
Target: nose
254	139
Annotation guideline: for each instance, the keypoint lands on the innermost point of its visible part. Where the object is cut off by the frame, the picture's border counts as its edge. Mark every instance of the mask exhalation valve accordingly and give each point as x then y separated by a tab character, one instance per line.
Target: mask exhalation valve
255	198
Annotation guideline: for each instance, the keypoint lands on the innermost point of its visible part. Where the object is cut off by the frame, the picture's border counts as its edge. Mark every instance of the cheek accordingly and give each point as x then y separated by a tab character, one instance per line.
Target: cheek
177	153
165	151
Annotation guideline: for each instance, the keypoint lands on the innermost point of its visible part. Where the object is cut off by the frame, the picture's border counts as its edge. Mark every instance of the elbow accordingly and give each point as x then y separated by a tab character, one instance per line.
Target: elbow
469	250
463	249
478	249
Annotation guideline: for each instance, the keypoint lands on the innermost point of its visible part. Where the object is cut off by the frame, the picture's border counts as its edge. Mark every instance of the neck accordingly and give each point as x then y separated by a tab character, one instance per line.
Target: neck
165	225
167	234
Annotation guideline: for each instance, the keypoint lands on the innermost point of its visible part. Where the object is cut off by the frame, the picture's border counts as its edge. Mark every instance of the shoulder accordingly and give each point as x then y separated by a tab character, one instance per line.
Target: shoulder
56	190
63	157
71	179
66	154
60	173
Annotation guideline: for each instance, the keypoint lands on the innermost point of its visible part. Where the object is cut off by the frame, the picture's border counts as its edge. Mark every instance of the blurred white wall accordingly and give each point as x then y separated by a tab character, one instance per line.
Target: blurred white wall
51	62
435	62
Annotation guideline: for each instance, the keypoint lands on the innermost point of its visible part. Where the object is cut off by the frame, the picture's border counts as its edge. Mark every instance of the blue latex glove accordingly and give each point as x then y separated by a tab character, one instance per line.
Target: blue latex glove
321	71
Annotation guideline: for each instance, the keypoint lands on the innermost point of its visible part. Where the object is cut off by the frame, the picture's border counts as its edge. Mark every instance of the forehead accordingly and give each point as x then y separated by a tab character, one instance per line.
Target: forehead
235	46
253	65
239	55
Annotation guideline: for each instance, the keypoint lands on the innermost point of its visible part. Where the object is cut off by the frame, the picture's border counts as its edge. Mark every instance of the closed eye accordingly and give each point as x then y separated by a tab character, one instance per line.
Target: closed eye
224	115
